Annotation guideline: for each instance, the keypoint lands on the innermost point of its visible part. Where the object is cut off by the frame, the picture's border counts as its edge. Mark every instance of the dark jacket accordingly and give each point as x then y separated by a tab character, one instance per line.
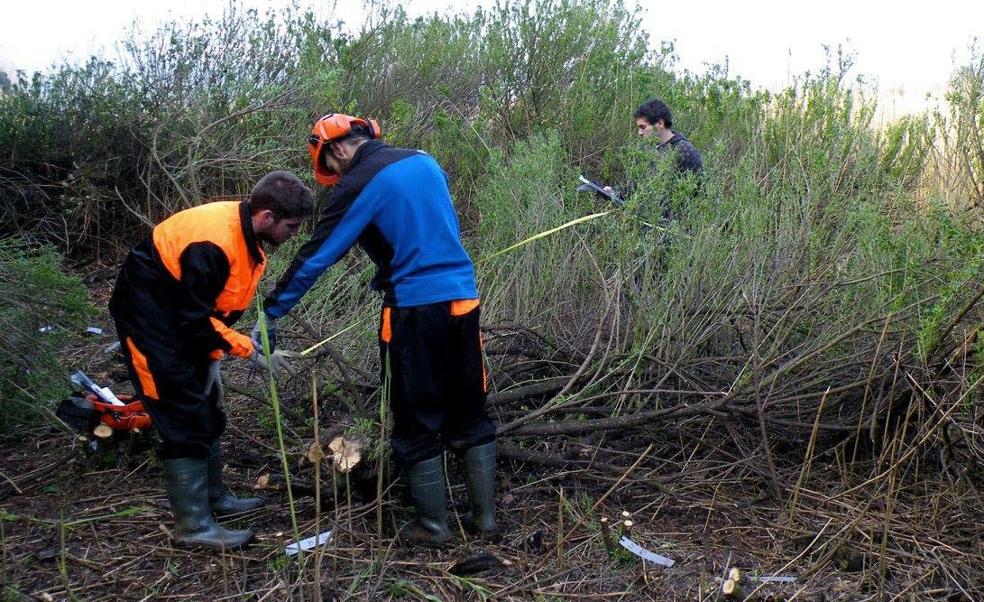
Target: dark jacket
687	161
687	157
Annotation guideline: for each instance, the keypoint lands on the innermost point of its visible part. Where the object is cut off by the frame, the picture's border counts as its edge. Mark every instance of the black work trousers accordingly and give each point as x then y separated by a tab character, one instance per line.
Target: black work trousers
433	373
169	378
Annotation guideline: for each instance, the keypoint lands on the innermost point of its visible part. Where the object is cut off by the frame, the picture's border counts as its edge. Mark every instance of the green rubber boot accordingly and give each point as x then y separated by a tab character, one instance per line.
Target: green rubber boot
186	483
221	500
479	468
426	481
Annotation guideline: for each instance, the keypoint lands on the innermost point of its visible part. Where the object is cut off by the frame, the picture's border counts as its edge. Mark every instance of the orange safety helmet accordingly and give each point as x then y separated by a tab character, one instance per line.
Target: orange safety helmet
328	129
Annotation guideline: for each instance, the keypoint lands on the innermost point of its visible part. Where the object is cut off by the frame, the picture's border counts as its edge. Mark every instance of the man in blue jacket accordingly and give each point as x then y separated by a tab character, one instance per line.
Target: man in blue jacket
396	205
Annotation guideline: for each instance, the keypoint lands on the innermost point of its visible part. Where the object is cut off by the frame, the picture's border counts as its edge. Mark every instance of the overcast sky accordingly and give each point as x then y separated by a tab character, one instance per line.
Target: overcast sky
909	48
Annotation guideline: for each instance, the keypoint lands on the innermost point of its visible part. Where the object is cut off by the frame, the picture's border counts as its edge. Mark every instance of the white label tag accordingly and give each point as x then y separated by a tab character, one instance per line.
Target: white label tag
645	554
306	544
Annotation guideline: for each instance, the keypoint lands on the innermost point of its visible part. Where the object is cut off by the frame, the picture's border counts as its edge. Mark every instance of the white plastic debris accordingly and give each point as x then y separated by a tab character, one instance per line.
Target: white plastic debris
777	579
306	544
80	380
112	348
46	328
93	330
645	554
113	399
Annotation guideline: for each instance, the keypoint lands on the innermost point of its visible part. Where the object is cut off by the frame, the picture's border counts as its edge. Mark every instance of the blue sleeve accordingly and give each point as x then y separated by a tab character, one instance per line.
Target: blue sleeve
333	236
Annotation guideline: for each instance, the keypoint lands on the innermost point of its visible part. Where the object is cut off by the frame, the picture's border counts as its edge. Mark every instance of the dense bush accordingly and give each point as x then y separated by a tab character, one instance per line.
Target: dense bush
41	309
198	110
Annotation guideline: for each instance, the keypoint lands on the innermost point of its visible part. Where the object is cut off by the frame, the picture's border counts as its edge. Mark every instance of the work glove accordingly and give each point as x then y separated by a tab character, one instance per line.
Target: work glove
214	379
257	337
277	363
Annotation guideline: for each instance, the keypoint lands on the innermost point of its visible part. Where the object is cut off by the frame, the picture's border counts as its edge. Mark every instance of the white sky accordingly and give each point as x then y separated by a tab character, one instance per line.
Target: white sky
909	48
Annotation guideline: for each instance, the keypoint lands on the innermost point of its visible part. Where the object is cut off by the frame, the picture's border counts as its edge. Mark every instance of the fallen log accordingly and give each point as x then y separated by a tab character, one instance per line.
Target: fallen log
514	452
550	385
620	422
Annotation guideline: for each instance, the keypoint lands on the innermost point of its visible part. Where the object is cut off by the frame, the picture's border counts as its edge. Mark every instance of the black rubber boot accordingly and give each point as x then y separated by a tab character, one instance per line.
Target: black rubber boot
426	484
479	468
220	498
186	483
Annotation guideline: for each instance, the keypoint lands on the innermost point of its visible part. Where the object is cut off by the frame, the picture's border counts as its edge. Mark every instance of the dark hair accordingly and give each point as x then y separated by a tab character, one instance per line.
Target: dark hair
284	194
653	110
357	132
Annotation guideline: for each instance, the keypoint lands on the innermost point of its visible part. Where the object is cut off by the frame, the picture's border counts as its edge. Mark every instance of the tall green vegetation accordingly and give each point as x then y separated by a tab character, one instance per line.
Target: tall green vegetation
959	164
41	310
198	110
813	244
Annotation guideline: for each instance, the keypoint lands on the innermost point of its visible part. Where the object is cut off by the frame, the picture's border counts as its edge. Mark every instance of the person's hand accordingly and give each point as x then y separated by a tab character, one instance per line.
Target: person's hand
614	196
257	337
214	379
277	363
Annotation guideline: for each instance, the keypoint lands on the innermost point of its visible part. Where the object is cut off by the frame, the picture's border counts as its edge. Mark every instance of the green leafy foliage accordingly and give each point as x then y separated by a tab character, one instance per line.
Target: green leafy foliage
41	309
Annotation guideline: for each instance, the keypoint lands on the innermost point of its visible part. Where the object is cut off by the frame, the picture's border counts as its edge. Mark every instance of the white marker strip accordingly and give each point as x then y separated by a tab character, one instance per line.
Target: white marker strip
645	554
777	579
306	544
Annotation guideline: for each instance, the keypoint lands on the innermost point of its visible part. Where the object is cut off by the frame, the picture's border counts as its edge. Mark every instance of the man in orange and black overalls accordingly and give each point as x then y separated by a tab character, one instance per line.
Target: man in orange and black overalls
176	298
395	204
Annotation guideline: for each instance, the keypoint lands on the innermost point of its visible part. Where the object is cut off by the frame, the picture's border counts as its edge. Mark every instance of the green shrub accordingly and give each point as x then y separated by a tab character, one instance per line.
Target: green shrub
41	310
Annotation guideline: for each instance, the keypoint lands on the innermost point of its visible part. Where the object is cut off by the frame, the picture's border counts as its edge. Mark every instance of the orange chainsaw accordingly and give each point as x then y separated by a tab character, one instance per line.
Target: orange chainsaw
98	405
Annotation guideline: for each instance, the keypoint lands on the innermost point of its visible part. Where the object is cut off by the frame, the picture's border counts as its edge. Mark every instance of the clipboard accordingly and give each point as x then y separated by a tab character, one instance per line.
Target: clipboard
589	186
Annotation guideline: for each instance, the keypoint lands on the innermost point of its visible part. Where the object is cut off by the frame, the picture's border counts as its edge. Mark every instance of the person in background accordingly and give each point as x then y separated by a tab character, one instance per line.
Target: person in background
653	119
655	122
